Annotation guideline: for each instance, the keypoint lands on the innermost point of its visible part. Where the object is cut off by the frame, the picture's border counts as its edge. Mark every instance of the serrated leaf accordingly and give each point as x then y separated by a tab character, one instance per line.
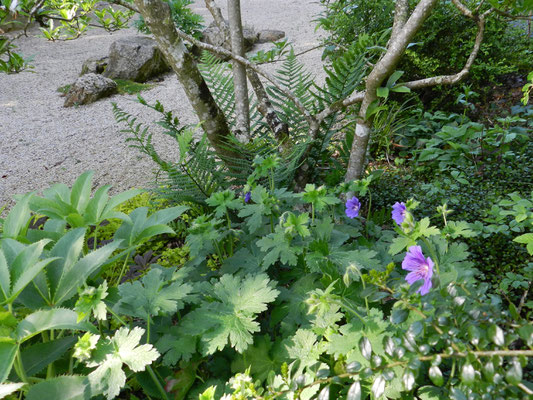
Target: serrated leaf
18	218
8	351
58	318
152	295
122	348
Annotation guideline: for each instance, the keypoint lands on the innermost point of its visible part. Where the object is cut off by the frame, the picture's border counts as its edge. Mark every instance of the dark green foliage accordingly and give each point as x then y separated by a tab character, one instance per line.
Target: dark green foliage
441	47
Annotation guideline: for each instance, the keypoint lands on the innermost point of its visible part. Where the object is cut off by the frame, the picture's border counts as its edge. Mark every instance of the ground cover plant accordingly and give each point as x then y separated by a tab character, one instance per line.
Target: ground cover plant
258	268
302	294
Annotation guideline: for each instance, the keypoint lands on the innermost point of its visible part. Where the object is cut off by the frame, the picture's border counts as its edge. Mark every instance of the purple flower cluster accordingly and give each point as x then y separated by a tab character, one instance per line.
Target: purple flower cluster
247	197
420	267
352	207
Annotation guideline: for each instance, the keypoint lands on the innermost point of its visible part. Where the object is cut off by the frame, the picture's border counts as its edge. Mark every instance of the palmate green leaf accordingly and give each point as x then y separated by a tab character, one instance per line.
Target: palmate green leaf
319	197
61	388
123	348
261	205
153	295
176	346
278	246
224	201
231	317
262	358
305	347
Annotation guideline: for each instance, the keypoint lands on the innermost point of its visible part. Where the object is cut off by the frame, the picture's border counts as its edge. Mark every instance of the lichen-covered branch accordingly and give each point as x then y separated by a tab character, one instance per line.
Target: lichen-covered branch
157	16
240	83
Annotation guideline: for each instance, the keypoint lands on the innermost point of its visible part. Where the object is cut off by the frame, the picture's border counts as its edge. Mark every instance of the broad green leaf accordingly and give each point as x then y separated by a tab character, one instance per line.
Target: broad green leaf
81	191
383	92
68	249
394	78
78	274
435	375
61	388
58	318
18	218
468	374
514	374
8	351
38	356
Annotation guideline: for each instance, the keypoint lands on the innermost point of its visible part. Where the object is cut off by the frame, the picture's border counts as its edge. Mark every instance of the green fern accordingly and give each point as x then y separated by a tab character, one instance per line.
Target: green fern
293	76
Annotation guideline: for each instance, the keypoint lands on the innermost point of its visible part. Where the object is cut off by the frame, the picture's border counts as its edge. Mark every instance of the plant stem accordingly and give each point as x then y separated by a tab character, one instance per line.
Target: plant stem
123	269
116	316
20	367
157	382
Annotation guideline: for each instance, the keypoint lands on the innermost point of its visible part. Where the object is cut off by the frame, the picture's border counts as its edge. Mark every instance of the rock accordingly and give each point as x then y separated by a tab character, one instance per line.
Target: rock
94	65
212	35
88	88
135	58
269	35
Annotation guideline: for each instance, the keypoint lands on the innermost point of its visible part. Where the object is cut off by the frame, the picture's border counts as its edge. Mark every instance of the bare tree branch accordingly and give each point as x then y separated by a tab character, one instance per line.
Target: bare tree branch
217	17
464	9
240	83
265	107
401	12
158	17
125	4
451	79
254	67
383	68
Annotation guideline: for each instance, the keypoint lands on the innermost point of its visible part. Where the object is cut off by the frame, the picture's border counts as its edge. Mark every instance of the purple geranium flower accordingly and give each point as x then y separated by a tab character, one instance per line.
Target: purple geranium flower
352	207
398	212
420	267
247	197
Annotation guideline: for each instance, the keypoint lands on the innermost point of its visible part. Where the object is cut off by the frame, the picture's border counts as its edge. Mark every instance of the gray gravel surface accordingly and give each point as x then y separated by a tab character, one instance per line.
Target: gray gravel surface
41	142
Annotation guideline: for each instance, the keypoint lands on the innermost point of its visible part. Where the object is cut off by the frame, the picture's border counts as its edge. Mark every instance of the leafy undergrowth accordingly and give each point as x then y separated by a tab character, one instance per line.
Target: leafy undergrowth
264	294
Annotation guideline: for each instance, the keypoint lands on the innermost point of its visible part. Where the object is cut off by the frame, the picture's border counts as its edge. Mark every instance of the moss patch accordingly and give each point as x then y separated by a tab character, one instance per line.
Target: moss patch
64	89
130	87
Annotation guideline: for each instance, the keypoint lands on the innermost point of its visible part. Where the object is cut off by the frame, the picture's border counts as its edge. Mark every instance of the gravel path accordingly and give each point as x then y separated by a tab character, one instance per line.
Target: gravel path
41	142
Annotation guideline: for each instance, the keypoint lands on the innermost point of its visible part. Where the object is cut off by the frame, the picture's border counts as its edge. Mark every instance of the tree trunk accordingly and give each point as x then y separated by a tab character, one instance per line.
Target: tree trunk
242	105
383	68
156	14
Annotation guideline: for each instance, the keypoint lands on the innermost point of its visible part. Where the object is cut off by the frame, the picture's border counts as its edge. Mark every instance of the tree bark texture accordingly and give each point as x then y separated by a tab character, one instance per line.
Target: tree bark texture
242	104
156	14
383	68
